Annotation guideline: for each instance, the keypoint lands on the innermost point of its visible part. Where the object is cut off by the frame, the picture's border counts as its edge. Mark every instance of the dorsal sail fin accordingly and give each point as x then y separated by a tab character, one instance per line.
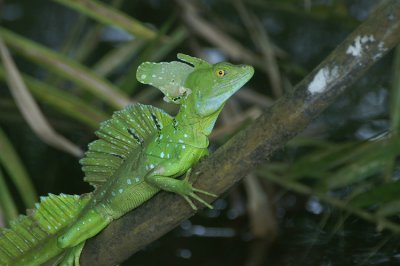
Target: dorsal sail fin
23	243
127	131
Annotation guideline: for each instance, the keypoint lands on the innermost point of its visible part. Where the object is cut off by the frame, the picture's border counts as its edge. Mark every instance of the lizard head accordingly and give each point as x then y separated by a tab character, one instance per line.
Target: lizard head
213	85
207	87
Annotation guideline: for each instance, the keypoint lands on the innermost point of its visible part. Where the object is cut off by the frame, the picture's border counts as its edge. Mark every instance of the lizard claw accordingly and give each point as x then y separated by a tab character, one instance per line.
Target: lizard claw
205	192
201	200
182	187
192	190
190	202
191	194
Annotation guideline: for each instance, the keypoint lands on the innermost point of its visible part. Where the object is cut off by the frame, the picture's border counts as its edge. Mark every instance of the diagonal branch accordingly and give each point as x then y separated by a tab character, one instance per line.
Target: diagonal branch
288	116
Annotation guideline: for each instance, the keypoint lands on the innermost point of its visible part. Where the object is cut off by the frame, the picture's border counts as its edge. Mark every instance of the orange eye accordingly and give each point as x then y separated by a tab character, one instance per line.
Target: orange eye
220	72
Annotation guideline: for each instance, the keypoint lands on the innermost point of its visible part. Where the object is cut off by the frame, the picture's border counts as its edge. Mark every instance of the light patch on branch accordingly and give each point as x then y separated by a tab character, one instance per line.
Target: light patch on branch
381	51
322	78
357	47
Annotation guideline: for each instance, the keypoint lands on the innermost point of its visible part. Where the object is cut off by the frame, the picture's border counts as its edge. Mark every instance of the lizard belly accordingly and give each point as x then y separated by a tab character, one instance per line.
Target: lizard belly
125	192
128	197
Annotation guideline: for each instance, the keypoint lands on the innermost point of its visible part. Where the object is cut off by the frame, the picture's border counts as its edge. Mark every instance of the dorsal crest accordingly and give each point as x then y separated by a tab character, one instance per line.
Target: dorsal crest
127	132
28	235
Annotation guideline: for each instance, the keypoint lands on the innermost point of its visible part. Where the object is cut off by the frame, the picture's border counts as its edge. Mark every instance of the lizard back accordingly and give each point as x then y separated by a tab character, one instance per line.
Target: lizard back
127	132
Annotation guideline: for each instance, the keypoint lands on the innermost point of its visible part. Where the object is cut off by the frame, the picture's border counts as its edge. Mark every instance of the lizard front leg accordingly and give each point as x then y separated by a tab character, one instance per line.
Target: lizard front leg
161	178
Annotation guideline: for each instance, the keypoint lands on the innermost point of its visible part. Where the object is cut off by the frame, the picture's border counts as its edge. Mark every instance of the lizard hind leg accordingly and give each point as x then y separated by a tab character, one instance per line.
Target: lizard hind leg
87	226
72	255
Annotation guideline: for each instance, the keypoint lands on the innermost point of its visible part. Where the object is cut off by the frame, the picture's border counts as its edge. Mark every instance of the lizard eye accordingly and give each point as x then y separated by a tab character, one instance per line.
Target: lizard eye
220	72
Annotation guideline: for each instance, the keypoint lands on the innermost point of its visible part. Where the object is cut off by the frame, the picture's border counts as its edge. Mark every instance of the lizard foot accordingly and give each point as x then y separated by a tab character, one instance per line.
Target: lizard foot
190	192
71	257
183	188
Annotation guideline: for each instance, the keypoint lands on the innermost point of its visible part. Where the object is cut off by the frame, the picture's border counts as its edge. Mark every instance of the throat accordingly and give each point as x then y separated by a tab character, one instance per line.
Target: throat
187	118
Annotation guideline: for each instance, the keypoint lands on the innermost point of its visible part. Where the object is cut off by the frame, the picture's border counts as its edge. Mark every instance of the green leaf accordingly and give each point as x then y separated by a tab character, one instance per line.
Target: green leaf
111	16
317	163
395	94
352	173
7	204
30	109
390	208
16	170
66	68
378	195
64	102
117	57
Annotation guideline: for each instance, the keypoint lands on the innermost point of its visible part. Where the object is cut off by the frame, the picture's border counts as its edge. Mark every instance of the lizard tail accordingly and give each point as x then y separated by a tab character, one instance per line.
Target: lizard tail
32	239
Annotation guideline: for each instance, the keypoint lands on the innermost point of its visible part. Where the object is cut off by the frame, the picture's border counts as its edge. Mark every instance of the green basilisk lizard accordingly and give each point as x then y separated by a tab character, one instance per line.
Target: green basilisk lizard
140	151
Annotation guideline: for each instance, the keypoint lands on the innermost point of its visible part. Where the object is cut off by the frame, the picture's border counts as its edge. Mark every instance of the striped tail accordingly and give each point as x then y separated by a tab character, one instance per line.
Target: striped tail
32	239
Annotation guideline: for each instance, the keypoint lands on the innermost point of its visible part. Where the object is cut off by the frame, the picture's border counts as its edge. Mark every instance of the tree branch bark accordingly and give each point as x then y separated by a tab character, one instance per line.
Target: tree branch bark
277	125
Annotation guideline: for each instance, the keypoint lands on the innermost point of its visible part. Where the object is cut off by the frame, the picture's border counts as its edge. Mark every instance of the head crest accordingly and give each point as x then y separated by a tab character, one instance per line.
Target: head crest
194	61
170	77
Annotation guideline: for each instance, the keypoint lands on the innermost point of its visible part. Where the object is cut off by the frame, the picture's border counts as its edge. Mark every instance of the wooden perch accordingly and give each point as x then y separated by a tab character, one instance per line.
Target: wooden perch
277	125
